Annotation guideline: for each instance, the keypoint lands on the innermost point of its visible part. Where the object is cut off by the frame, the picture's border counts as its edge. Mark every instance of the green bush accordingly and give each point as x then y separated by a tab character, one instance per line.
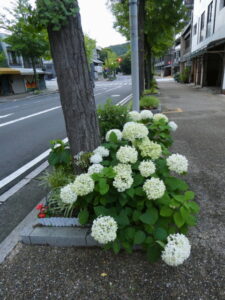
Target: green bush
60	156
184	76
111	116
149	102
151	91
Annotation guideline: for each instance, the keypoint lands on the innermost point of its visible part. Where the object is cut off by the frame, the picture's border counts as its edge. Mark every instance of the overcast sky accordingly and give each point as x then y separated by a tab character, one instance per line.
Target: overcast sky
97	21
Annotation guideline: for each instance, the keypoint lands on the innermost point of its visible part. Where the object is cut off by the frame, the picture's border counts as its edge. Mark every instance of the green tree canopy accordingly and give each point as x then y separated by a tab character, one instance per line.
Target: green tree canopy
90	46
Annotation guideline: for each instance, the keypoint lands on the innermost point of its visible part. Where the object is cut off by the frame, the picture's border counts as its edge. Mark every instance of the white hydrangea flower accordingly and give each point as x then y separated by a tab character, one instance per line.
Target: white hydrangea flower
96	158
173	125
95	168
117	132
67	195
123	181
154	188
127	154
177	250
104	229
149	149
122	168
159	116
102	151
132	131
147	168
83	185
177	163
134	116
146	114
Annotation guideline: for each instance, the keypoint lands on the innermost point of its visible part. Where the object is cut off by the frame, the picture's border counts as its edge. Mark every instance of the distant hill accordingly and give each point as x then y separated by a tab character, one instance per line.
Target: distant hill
120	49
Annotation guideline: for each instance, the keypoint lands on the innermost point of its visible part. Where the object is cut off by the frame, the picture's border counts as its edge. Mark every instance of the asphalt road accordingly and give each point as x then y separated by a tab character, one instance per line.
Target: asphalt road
27	125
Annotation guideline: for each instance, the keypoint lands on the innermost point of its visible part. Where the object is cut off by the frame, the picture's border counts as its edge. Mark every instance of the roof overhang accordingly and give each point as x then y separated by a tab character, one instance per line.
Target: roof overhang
9	71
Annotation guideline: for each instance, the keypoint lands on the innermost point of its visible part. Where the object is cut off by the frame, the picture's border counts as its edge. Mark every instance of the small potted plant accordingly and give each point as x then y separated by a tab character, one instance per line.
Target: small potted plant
150	103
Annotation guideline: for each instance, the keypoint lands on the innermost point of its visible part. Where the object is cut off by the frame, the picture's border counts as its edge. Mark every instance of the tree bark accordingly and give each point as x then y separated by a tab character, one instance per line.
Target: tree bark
74	81
141	20
148	65
35	72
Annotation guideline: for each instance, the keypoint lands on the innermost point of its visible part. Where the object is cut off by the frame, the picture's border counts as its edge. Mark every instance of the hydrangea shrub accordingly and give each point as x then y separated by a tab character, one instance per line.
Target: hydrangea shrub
132	195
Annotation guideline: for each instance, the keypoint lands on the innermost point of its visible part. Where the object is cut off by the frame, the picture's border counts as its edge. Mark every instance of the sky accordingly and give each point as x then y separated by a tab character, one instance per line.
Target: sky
97	21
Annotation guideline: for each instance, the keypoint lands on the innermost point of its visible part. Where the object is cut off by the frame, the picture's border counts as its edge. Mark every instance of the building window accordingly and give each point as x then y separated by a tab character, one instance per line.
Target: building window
202	26
195	29
209	20
13	57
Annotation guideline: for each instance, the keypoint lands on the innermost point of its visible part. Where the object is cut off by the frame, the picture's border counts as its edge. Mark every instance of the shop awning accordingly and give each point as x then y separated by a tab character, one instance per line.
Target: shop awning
8	71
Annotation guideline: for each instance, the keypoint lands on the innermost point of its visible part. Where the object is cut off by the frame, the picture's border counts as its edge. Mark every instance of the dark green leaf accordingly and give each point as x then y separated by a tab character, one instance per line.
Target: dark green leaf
103	186
178	219
166	211
136	215
139	237
160	234
116	246
150	216
153	252
83	216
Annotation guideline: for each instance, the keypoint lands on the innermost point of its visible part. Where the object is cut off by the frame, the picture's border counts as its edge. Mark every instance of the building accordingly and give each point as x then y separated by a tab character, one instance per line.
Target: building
16	72
208	43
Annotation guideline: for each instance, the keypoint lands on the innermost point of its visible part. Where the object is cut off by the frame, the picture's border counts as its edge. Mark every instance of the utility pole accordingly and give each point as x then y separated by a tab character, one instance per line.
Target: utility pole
133	8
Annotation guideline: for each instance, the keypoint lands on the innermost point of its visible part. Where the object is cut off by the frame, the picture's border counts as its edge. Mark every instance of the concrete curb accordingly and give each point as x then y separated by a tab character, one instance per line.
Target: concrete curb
5	100
58	236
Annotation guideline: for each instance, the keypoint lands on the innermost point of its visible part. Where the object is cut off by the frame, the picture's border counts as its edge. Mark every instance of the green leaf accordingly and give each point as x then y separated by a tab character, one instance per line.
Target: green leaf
113	138
122	219
164	200
153	252
123	201
116	246
193	206
189	195
136	215
149	240
178	219
191	220
179	198
139	237
130	192
138	180
130	232
160	234
139	191
150	216
184	213
127	246
83	216
166	211
174	184
103	186
109	172
101	211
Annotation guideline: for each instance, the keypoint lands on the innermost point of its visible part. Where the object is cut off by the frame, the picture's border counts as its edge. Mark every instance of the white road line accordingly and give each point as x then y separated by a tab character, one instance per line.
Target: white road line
115	96
30	116
25	168
125	100
5	116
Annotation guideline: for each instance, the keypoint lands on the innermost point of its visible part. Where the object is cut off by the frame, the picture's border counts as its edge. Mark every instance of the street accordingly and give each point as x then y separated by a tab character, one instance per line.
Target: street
27	125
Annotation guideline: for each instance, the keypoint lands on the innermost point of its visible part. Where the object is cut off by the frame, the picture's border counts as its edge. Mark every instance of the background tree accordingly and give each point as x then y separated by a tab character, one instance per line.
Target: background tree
125	64
25	38
90	46
111	62
62	20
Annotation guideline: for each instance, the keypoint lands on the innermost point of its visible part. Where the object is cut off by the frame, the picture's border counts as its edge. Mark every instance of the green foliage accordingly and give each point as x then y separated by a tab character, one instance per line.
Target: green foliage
3	60
151	91
185	75
125	65
120	49
111	62
90	45
111	116
60	156
149	102
55	14
56	178
176	76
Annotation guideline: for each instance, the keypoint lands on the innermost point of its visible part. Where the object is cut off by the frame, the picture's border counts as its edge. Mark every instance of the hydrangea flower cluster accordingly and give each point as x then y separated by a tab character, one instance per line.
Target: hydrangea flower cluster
101	151
173	126
95	168
127	154
96	158
146	114
160	116
132	131
177	163
177	250
147	168
67	194
134	116
117	132
154	188
149	149
83	185
104	229
123	179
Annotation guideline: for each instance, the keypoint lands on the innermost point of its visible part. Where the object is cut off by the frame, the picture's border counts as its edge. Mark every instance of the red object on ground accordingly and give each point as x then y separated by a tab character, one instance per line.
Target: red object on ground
41	215
39	206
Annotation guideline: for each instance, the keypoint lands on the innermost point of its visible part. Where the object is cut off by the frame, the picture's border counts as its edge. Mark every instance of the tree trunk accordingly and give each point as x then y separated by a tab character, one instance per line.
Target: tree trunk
74	81
35	72
141	20
148	65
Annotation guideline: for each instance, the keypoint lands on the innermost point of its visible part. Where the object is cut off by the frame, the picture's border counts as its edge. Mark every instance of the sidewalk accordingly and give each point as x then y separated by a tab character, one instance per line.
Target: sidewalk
42	272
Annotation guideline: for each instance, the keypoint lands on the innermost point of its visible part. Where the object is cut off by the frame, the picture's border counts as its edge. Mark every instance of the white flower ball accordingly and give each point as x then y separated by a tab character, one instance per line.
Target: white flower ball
158	117
95	168
154	188
177	163
96	158
117	132
173	125
83	185
101	151
104	229
127	154
122	168
147	168
132	131
149	149
134	116
177	250
146	114
123	181
67	195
